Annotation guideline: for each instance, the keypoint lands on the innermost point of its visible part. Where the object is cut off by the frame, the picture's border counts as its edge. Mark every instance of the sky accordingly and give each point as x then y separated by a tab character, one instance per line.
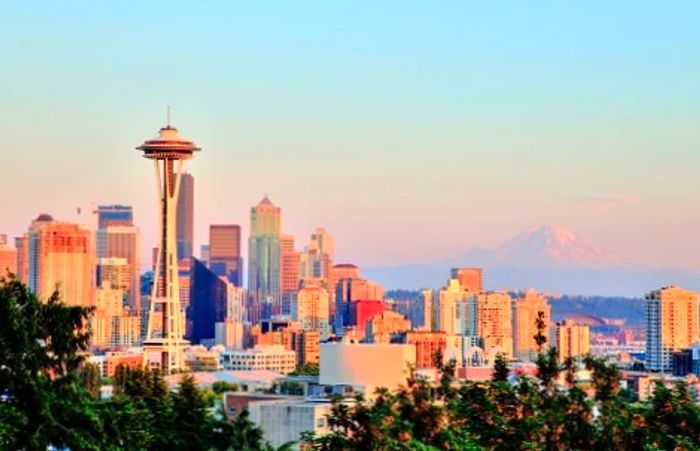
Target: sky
411	130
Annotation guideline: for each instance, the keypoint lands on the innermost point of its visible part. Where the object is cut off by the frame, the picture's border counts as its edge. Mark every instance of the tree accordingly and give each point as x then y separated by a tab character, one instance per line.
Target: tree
540	337
90	376
501	369
42	344
221	387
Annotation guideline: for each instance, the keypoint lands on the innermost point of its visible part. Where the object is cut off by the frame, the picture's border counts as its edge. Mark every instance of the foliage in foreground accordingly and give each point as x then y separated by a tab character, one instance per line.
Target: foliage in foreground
50	398
532	414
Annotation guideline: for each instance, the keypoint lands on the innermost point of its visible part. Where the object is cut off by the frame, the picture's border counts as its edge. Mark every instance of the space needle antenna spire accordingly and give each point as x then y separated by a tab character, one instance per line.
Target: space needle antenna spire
164	339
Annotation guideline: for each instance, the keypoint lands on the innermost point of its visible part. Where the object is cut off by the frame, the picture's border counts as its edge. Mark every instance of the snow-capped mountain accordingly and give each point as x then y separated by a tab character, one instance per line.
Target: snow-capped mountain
544	247
546	258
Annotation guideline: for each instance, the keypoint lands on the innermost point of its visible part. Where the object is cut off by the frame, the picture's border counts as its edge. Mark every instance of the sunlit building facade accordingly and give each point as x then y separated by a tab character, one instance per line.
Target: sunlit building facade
264	262
573	339
525	314
672	315
495	324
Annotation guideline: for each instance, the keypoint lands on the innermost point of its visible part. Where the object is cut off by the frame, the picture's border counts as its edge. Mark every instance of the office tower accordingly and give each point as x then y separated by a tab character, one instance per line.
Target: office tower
457	310
316	261
230	331
185	217
361	312
469	278
264	262
114	215
168	152
672	324
525	314
290	265
204	254
225	252
310	307
22	265
351	289
495	325
208	302
573	340
421	311
114	273
28	251
59	255
8	258
112	324
119	239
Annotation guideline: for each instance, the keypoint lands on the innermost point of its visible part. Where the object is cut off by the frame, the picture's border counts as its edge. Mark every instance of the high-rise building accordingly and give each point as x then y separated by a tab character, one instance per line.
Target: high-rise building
316	261
457	310
185	217
163	346
310	307
421	311
470	279
8	257
112	325
573	339
672	315
208	302
495	324
290	265
225	252
525	314
114	215
264	261
350	290
60	256
361	312
118	239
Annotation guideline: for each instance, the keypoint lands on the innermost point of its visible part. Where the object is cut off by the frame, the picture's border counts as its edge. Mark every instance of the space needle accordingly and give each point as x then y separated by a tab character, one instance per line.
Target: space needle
168	151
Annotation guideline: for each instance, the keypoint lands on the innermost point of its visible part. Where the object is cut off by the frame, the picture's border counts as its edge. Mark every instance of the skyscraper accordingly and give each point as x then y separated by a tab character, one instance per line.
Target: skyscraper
469	278
316	261
109	215
672	324
8	257
525	313
168	151
264	261
495	325
185	217
60	256
310	307
118	238
290	265
208	302
457	310
225	252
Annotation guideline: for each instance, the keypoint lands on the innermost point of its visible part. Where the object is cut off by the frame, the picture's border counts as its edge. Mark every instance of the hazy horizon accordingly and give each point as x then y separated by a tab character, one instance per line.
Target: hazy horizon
411	132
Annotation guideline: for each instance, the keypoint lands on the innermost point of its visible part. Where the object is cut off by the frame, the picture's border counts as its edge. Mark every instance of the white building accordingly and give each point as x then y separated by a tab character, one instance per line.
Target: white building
283	420
369	365
266	357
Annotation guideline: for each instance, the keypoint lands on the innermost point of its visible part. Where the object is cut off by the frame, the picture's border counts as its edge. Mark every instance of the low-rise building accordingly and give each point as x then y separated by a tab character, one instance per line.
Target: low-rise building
271	357
284	420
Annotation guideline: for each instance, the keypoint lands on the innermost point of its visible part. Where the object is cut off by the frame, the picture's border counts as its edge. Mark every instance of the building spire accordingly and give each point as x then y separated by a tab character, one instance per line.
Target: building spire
168	115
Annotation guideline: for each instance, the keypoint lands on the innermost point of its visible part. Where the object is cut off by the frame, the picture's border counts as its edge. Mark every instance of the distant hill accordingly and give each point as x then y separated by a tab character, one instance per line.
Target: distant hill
549	259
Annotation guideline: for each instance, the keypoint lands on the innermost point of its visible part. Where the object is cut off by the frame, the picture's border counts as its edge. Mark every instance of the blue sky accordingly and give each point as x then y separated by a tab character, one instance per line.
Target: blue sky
411	130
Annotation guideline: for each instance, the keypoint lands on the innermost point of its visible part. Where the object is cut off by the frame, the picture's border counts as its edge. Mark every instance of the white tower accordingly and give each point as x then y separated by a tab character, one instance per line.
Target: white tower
168	152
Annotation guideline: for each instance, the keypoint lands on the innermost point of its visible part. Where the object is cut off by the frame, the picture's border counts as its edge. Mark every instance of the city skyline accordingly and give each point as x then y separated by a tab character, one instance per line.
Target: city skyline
443	165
